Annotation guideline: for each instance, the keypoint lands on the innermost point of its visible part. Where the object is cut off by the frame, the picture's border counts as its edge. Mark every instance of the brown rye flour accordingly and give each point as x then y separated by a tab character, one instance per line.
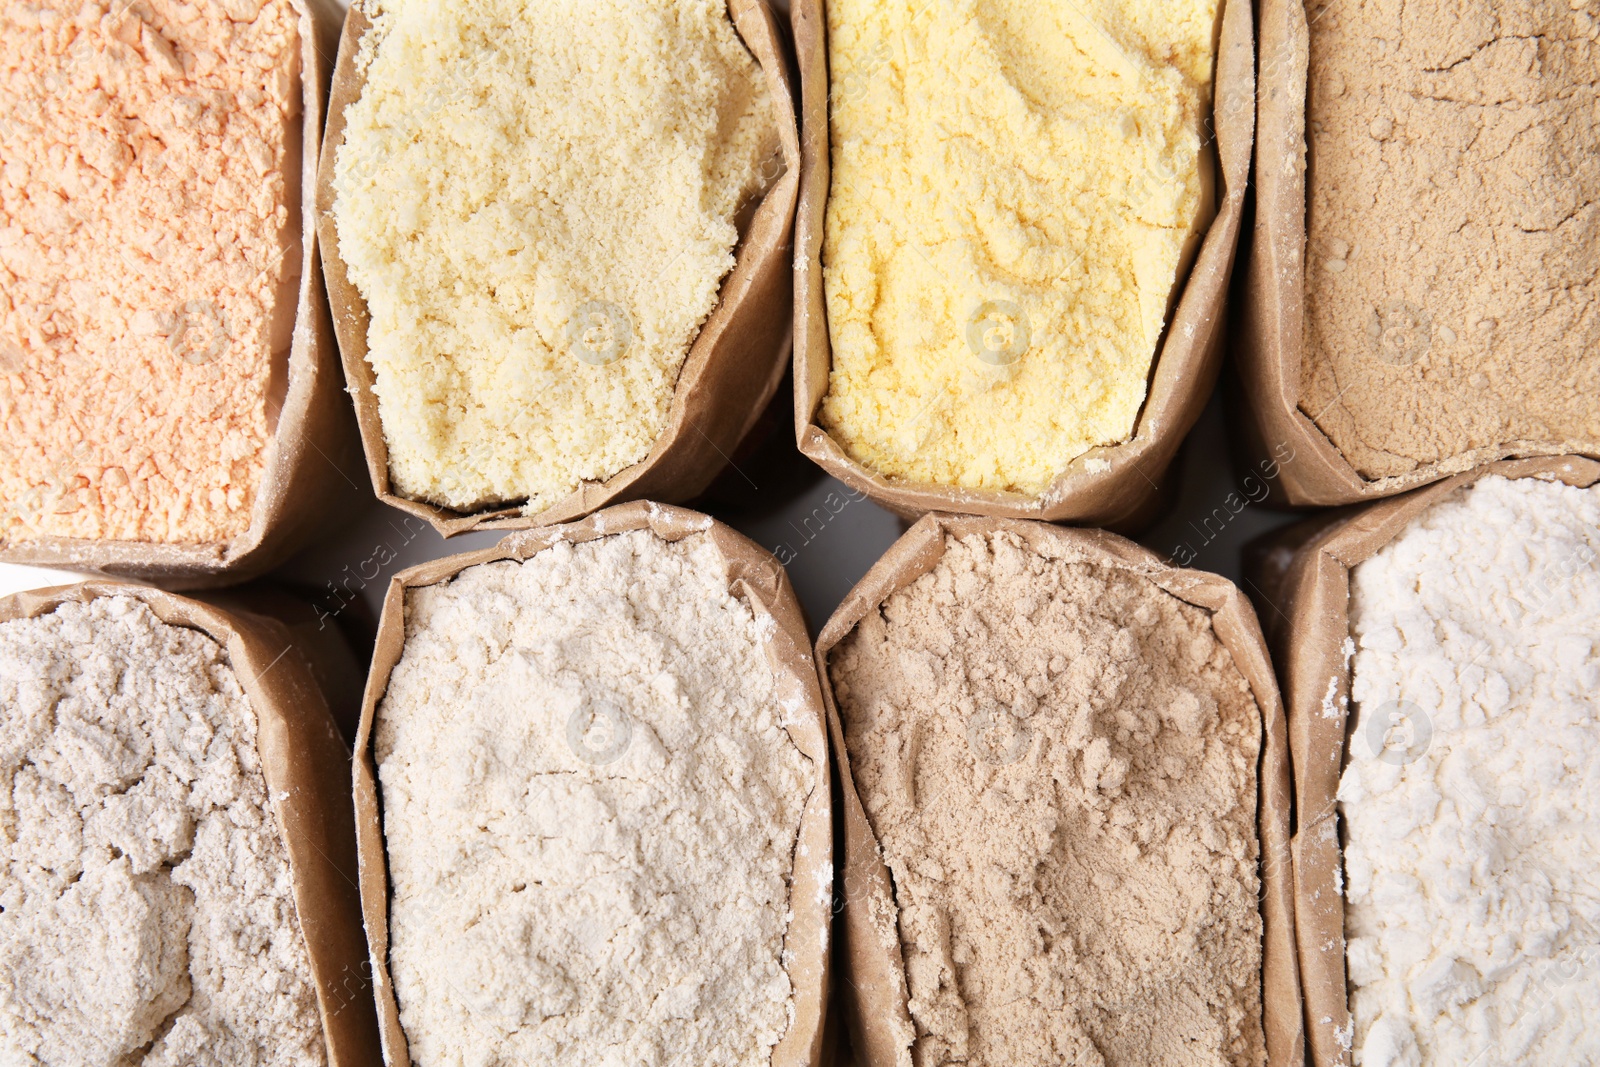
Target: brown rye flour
1058	759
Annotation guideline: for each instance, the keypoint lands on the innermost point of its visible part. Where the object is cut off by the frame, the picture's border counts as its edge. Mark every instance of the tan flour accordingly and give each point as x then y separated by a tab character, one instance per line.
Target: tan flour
590	811
1059	760
147	913
1453	264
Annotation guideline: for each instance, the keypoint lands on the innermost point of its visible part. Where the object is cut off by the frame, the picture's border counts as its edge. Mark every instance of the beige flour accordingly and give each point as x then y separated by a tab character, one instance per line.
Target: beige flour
590	809
538	201
146	907
149	261
1453	269
1059	760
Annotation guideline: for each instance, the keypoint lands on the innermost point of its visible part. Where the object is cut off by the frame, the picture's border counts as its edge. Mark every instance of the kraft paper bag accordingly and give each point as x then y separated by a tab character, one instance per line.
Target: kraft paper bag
872	985
313	453
755	577
1116	485
1303	575
1269	349
306	766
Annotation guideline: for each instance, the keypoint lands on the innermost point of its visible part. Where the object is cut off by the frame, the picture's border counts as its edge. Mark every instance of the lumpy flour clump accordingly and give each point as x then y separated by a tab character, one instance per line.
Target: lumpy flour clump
1470	800
591	806
1059	760
148	911
538	202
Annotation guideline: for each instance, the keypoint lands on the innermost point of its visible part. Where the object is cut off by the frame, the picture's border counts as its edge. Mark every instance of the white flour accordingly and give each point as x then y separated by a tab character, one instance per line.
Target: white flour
1473	853
590	812
146	893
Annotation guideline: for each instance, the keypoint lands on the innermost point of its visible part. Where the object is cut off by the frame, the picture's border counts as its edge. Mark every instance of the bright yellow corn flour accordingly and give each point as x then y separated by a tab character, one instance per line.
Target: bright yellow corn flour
1016	184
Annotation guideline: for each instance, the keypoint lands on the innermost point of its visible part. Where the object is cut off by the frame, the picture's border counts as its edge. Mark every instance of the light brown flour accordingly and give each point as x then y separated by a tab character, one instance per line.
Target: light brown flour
1059	760
1453	267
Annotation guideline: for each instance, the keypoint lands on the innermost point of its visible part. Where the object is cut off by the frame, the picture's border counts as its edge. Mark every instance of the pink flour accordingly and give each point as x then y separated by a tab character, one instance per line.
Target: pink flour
149	256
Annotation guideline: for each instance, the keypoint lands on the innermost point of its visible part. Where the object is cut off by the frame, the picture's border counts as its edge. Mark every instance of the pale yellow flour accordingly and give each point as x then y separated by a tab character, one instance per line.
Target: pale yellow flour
1015	183
538	202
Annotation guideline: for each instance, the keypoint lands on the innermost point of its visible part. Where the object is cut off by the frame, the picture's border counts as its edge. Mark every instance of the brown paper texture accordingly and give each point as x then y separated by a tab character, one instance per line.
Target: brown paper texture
306	766
1310	597
1186	363
733	367
754	576
872	977
313	451
1270	346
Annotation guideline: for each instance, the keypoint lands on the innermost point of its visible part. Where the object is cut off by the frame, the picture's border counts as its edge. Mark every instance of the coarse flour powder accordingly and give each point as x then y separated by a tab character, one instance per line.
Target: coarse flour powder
539	202
147	914
149	260
590	811
1471	799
